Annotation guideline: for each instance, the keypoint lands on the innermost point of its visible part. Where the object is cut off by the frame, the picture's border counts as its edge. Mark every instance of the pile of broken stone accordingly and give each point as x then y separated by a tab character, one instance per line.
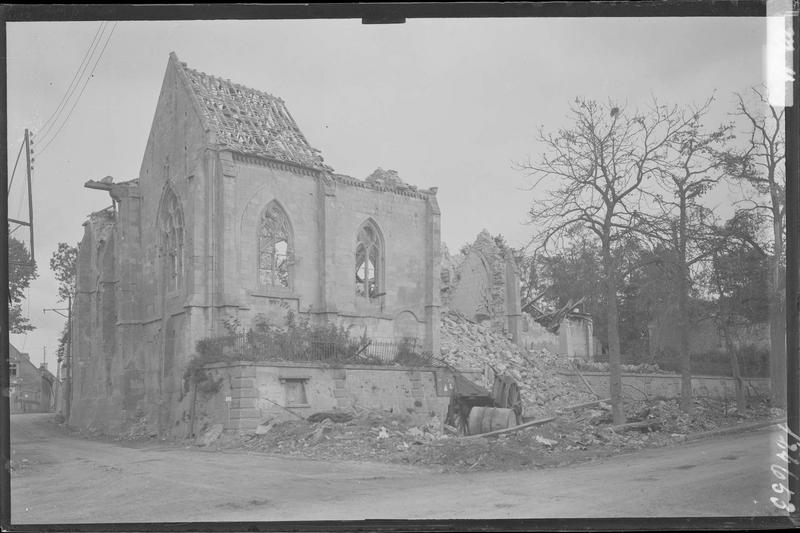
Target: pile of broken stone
577	434
543	386
643	368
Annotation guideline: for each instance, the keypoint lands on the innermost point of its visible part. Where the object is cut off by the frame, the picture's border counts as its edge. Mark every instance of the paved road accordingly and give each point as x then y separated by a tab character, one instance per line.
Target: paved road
62	479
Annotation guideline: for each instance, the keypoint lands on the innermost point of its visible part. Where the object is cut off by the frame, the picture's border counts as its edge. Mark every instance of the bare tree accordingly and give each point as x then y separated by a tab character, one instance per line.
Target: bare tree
692	165
597	167
762	166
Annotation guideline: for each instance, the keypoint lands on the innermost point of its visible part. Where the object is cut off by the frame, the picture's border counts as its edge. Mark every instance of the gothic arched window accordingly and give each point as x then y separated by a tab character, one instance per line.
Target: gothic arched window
172	234
274	247
369	261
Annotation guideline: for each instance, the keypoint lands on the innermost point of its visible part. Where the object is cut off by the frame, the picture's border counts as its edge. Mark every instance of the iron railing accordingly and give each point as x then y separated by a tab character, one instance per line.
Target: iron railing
252	346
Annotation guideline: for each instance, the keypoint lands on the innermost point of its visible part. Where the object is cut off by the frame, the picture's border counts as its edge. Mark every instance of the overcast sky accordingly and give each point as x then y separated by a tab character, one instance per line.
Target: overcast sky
446	103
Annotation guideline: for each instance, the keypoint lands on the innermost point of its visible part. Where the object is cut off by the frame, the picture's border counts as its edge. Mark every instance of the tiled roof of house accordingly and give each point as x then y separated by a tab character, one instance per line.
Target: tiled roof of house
249	121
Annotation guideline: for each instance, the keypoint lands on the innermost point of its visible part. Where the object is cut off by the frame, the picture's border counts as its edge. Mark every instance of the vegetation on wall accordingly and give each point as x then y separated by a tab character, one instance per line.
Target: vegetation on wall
297	340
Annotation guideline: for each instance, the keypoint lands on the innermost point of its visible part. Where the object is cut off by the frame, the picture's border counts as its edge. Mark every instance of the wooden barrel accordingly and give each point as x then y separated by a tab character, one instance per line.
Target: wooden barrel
486	419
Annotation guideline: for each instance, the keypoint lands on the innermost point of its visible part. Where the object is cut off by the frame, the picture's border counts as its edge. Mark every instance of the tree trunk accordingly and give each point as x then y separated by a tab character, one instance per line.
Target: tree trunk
741	404
614	356
777	333
777	308
687	406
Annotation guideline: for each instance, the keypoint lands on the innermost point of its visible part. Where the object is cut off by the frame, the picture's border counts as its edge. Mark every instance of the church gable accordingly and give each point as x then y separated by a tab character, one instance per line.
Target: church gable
248	121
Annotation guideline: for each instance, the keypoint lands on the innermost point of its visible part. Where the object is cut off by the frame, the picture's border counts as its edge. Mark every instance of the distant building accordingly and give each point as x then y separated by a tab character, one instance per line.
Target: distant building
566	331
32	390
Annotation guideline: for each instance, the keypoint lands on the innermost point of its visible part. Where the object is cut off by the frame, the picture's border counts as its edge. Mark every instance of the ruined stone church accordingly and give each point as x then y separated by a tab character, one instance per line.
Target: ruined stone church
235	214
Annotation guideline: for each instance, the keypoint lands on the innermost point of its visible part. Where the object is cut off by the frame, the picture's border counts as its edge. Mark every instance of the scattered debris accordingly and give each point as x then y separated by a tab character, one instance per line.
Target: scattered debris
513	429
210	435
583	432
643	368
545	441
335	416
263	429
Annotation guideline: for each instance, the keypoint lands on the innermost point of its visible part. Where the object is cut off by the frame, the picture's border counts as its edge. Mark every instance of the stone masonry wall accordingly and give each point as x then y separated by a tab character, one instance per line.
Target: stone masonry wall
636	386
258	392
484	284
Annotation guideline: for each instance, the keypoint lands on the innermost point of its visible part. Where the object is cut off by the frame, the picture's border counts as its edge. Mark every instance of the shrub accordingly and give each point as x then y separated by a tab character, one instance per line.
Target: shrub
298	340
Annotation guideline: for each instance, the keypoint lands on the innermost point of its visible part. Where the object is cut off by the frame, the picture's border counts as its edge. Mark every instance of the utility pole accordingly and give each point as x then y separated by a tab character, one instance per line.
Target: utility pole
68	365
30	187
68	393
29	159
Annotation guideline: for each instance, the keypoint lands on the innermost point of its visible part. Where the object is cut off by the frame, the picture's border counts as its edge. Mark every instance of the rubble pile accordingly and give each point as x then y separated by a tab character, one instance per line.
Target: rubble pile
374	435
389	437
466	345
643	368
581	435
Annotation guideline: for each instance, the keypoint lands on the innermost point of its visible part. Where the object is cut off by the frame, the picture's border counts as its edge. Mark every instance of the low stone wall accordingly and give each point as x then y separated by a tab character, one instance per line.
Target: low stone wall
637	386
250	393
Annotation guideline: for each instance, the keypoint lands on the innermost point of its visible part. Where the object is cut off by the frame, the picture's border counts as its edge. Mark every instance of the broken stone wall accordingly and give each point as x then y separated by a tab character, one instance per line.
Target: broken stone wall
483	284
534	336
275	390
641	386
124	304
325	216
576	337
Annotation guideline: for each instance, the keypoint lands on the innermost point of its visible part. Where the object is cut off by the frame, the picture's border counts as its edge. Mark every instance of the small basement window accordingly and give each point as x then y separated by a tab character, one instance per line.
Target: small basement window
294	391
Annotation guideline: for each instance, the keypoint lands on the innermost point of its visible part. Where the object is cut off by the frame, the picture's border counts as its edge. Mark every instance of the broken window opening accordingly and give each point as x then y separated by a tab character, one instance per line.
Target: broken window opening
173	241
295	391
368	261
274	248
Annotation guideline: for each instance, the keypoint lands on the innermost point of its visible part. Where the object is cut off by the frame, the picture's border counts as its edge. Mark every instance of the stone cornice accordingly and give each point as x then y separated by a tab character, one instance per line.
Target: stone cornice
409	191
273	163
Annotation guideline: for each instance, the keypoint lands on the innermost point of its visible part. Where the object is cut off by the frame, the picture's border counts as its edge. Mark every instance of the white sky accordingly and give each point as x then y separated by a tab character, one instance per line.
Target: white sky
446	103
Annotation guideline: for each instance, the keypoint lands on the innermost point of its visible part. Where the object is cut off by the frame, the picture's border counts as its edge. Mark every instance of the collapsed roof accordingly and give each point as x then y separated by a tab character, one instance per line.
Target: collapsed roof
248	121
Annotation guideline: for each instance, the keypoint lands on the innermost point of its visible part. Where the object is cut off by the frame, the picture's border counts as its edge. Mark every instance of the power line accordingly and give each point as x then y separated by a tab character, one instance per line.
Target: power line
99	57
11	181
79	79
70	89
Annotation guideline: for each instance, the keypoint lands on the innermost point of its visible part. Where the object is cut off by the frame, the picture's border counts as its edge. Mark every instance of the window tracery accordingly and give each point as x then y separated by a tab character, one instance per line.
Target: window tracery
274	247
369	262
172	217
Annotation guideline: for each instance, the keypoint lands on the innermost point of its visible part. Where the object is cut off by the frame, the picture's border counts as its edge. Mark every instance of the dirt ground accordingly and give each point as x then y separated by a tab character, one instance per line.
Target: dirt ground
58	477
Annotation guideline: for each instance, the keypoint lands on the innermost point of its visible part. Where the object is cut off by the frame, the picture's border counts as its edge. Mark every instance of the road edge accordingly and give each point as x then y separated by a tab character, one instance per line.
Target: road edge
741	428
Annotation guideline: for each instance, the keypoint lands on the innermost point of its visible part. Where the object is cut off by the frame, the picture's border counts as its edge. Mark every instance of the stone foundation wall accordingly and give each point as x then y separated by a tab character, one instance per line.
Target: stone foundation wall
637	386
251	393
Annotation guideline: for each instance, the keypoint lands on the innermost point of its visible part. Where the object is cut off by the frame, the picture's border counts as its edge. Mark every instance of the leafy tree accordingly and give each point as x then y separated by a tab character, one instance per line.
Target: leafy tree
569	274
597	167
645	295
21	271
63	263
